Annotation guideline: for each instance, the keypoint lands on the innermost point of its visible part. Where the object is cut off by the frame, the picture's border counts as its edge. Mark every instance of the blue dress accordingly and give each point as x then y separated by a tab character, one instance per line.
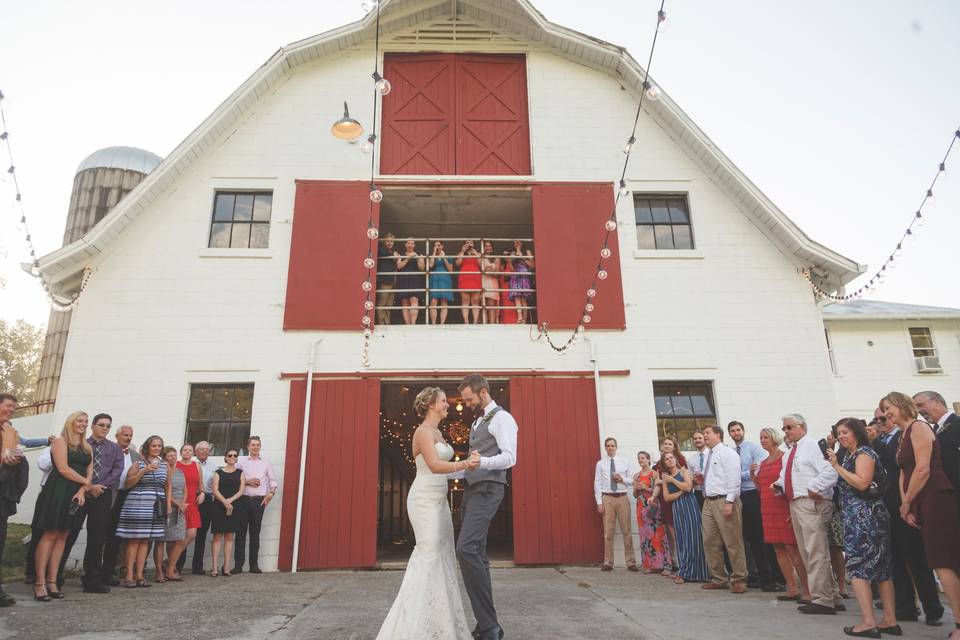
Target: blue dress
440	278
686	523
866	528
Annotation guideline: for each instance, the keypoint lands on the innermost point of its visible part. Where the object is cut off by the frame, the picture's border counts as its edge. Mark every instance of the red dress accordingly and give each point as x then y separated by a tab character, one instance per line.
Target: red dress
936	507
470	277
191	475
774	509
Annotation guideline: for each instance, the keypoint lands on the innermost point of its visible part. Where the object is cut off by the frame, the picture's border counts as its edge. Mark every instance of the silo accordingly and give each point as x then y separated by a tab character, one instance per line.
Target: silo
101	181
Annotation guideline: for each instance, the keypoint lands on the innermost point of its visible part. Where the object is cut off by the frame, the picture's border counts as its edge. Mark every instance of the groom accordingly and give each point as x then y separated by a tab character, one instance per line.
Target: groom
494	436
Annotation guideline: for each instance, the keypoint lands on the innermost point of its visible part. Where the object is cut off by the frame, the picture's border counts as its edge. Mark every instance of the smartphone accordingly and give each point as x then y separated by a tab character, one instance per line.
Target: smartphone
73	508
822	443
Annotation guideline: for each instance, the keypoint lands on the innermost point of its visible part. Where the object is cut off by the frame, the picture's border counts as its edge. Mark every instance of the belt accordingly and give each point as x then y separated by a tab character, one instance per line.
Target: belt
714	497
616	495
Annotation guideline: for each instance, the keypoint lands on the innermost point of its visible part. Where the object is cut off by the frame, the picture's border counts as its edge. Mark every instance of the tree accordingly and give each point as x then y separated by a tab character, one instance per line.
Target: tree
21	347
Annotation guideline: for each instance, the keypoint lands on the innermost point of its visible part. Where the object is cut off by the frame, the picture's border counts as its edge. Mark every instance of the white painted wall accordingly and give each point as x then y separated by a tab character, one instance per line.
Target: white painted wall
866	372
161	311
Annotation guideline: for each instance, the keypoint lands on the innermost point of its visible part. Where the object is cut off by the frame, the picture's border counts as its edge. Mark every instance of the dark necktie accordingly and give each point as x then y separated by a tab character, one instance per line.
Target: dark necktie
613	483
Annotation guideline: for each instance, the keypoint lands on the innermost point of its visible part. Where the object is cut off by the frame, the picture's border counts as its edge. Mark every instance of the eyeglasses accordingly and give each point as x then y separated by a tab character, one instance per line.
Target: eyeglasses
230	455
881	418
103	426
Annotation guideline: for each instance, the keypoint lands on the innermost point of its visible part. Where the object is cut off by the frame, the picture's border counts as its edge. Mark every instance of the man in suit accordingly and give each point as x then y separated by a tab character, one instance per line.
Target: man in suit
946	424
911	575
131	456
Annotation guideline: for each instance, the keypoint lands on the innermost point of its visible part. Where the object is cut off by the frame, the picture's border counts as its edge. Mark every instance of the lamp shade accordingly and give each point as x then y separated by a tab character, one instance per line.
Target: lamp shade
346	128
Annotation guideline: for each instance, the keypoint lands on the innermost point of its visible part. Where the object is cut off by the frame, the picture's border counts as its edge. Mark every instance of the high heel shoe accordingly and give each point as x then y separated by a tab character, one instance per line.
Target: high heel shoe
56	595
41	598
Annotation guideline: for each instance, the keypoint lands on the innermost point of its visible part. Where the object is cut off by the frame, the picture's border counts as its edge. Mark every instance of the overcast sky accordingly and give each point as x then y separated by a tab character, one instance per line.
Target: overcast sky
839	111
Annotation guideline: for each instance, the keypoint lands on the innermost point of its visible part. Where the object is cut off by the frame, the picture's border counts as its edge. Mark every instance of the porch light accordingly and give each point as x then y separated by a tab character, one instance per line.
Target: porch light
346	128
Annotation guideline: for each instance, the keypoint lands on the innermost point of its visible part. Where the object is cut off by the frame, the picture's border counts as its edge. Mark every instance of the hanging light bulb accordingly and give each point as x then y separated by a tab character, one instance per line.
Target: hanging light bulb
605	253
365	321
368	305
586	319
610	225
898	250
588	307
383	86
602	275
909	235
459	406
369	263
367	145
623	189
580	328
346	128
376	195
943	169
930	201
919	220
627	148
372	233
591	293
367	333
652	90
366	286
368	5
891	263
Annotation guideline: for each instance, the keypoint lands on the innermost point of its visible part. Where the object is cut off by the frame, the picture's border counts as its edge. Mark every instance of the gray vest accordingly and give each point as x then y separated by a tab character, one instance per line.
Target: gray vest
483	441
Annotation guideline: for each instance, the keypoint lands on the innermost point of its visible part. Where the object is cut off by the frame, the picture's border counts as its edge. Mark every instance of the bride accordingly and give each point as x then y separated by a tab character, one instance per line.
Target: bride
429	606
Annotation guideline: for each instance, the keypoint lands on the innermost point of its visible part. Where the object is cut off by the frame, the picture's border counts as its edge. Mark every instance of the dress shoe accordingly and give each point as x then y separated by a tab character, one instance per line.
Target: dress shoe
493	633
866	633
933	622
633	567
199	572
255	569
817	609
112	582
96	588
606	567
714	585
895	630
738	587
793	598
753	583
235	571
6	600
841	607
773	587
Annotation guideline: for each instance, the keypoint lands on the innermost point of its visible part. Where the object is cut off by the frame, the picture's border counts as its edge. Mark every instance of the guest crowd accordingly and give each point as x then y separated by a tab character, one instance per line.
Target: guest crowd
131	499
876	503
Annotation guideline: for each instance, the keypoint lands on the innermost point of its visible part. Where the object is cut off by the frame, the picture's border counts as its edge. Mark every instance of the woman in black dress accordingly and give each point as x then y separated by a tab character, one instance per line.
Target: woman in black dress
60	504
228	485
411	268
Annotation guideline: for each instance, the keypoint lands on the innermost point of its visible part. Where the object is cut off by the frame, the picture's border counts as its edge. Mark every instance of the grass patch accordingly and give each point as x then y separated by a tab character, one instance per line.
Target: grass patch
15	553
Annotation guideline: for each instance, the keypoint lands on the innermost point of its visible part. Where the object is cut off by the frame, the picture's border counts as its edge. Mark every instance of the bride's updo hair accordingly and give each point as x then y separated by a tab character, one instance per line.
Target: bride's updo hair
425	400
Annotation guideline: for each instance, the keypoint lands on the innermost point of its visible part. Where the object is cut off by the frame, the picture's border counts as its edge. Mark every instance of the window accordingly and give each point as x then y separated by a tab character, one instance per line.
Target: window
663	222
921	340
682	408
830	355
220	414
241	220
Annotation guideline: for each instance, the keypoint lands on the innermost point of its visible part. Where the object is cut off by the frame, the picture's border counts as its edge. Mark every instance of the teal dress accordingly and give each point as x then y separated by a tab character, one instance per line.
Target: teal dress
53	504
440	279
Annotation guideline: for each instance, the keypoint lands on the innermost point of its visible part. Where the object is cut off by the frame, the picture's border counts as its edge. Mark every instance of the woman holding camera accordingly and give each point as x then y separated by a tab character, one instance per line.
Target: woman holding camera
441	283
866	528
60	505
491	283
470	282
410	281
144	513
521	282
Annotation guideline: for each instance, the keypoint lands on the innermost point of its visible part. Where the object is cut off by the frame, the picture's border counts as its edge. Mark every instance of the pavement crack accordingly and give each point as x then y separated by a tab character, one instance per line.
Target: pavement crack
645	632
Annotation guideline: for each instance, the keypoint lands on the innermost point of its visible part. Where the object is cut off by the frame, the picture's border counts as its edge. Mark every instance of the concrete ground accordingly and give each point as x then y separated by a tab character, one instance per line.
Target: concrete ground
537	603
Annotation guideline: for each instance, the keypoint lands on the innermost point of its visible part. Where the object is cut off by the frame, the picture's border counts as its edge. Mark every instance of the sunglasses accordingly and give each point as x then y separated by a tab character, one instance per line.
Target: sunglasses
230	455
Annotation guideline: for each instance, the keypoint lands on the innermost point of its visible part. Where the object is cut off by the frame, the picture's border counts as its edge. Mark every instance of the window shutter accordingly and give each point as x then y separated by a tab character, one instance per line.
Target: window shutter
568	221
418	132
326	255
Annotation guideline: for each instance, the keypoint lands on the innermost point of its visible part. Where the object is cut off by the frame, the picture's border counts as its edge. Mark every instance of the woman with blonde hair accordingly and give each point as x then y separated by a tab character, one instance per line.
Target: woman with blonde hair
60	504
928	500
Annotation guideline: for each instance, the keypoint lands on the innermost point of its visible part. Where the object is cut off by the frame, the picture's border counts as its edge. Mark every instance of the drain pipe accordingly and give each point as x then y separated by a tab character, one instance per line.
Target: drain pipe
303	453
596	392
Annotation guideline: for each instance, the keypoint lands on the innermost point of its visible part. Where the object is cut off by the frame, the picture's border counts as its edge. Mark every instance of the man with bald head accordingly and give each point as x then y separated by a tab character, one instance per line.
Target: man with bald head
946	424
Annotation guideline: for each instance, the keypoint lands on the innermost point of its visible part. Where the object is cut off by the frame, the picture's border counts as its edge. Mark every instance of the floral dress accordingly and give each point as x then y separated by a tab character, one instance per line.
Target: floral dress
653	548
866	528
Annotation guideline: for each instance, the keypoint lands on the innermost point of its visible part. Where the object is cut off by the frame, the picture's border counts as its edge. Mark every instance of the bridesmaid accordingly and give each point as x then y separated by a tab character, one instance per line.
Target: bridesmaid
470	282
775	515
669	445
193	478
490	264
228	487
441	283
521	282
653	552
928	499
678	490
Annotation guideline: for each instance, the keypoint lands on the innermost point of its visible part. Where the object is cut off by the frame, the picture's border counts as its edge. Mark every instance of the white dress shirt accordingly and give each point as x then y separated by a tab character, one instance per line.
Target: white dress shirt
810	471
127	463
696	461
722	477
45	463
503	428
943	420
601	479
209	467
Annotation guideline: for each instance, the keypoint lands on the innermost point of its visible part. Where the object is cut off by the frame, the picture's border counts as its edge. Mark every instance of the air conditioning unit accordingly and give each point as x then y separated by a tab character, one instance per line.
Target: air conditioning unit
928	364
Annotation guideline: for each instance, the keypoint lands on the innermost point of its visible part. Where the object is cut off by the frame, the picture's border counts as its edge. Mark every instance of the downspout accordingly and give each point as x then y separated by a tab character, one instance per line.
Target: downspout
596	392
303	454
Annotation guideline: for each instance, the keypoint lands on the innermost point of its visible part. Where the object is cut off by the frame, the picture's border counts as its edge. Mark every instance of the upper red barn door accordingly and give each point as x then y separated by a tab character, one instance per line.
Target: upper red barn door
555	517
326	255
338	528
568	233
493	130
418	136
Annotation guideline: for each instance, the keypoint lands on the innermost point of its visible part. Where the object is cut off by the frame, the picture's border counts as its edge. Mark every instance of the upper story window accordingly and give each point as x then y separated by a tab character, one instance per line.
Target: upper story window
921	340
220	414
663	222
830	355
682	408
241	220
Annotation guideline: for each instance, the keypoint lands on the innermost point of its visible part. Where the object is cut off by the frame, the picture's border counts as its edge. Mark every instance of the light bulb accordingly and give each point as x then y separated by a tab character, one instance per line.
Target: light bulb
627	148
943	169
591	293
369	263
610	225
459	407
653	93
580	328
589	307
602	275
366	146
586	319
368	305
372	233
891	263
368	5
367	333
624	191
920	220
366	321
383	86
376	195
930	201
366	286
605	252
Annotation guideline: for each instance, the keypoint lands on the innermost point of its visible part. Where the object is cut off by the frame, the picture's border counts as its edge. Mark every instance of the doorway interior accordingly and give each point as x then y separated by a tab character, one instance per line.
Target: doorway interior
398	421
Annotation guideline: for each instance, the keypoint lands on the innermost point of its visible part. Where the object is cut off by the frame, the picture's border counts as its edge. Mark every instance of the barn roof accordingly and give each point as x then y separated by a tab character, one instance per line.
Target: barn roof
879	310
403	23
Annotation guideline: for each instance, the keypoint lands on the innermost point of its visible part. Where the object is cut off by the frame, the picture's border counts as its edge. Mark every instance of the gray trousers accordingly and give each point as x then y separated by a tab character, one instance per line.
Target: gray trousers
480	504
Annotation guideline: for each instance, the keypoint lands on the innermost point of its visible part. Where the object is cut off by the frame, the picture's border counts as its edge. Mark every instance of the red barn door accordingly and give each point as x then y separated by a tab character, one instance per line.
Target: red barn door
555	517
339	522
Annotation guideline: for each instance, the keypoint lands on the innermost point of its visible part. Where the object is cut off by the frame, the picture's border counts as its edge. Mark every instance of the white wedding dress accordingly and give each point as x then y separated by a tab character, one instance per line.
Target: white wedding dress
429	605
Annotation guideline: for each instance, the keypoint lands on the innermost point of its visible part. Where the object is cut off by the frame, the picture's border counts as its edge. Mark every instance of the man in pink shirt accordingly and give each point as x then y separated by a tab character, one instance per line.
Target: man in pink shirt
260	489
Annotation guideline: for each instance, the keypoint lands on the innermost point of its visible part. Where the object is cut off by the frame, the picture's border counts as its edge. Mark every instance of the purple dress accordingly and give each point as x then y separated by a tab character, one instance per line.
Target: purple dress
520	279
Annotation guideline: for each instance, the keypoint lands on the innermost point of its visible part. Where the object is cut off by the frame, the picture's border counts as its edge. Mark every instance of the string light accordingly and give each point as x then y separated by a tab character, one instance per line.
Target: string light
916	221
58	303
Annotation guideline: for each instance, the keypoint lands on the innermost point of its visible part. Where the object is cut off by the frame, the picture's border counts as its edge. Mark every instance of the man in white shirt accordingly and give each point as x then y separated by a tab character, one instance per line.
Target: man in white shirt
124	438
611	482
696	464
807	479
722	521
208	466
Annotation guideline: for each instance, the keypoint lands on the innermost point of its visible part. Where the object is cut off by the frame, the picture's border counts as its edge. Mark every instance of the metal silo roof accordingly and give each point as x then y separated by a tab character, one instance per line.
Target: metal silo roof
127	158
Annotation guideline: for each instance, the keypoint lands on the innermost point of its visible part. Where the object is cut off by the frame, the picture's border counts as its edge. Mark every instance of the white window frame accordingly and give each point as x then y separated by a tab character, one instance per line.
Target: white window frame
933	342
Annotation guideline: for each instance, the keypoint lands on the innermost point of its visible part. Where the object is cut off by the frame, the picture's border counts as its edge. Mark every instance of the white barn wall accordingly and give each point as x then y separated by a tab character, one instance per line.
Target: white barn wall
161	312
865	373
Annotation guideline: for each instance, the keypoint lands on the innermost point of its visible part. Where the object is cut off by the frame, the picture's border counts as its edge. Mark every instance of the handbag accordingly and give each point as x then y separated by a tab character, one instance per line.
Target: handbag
877	487
159	508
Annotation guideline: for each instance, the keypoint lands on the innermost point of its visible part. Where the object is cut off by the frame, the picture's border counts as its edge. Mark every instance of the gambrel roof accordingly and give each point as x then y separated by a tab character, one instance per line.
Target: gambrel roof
432	25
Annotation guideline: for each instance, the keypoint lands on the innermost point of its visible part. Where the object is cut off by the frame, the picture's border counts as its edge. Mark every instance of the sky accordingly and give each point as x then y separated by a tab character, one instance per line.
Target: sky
840	112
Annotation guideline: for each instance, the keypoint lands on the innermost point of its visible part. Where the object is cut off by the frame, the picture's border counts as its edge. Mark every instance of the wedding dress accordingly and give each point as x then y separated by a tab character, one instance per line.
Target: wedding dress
429	605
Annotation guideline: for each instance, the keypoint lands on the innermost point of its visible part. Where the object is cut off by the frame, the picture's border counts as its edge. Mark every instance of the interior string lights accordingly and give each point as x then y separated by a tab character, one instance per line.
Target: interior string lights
917	220
651	92
57	302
